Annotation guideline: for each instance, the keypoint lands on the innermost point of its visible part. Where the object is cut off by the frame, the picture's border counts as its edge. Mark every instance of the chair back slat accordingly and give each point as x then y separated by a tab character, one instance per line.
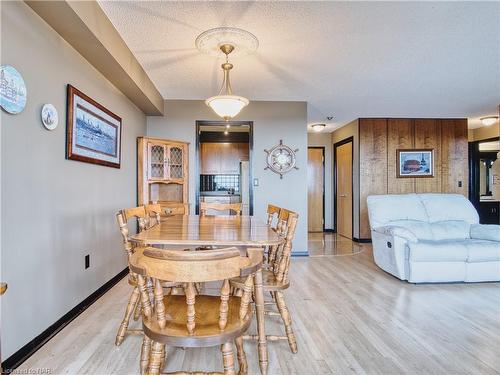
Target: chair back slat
153	214
273	213
246	297
191	312
159	306
235	207
224	304
281	255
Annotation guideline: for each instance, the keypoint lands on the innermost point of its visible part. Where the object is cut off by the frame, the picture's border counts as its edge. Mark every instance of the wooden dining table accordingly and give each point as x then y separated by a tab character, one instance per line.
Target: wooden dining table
183	231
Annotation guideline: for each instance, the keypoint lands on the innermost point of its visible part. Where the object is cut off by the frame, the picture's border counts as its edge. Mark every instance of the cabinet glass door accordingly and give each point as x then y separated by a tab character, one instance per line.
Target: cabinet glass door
175	162
157	158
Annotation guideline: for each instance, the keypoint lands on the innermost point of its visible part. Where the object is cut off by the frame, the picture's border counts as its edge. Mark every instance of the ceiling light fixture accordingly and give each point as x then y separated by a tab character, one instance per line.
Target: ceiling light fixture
488	121
225	104
318	127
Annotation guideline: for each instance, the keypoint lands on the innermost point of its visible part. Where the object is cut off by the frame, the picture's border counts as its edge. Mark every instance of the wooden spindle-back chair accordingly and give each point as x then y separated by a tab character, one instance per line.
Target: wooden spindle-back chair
275	277
193	320
235	207
123	217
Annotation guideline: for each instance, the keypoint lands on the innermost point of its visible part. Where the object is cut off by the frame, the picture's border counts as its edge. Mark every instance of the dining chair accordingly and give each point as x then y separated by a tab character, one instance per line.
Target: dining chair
235	207
123	217
194	320
275	277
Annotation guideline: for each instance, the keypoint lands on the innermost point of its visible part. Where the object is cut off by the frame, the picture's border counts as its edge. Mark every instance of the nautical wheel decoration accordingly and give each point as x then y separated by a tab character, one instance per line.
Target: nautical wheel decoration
281	159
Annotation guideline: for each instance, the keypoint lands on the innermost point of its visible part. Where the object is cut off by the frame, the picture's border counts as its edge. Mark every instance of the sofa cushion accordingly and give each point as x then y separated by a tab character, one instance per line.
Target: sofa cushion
383	209
420	229
483	251
485	232
438	251
450	230
442	207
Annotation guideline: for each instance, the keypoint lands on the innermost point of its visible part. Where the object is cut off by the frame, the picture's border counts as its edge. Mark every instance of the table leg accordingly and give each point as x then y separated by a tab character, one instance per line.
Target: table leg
259	312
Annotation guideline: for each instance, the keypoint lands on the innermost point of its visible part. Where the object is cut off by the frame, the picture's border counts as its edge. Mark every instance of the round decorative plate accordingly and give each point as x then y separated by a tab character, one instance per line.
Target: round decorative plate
243	41
49	115
12	90
281	159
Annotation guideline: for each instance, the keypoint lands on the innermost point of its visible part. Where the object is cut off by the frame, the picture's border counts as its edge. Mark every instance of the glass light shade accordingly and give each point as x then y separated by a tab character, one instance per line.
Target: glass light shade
227	106
318	127
488	121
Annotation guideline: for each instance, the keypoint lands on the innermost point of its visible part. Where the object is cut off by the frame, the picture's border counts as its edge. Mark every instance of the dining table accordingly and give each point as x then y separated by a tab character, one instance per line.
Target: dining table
187	231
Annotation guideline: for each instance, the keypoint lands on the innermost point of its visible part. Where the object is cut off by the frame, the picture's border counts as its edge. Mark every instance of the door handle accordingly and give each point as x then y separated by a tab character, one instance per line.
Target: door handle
343	195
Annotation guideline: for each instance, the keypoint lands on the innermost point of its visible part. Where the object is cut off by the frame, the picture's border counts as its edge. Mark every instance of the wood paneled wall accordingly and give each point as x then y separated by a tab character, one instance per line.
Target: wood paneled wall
379	139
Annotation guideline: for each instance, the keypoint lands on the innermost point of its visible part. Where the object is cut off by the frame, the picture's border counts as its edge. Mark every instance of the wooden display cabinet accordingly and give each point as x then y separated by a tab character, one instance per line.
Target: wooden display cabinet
162	173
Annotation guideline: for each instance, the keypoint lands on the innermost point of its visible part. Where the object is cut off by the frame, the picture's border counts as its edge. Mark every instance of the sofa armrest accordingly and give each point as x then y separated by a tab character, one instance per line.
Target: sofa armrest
395	231
488	232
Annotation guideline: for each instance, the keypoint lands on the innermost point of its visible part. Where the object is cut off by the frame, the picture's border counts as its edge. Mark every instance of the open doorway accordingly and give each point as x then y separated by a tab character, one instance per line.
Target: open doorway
224	164
484	187
343	185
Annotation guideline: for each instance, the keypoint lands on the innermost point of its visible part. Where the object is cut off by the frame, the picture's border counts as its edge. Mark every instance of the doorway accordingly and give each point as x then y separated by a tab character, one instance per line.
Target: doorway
316	189
224	164
343	164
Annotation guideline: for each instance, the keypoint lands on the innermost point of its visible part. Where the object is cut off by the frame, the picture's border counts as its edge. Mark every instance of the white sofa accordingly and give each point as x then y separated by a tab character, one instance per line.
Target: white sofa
433	238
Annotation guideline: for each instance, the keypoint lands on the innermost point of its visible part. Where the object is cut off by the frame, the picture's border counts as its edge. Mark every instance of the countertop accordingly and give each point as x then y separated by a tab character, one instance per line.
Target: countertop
218	194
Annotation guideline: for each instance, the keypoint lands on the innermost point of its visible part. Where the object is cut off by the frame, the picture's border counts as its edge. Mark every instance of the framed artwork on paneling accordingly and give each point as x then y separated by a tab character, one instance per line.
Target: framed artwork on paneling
415	163
93	132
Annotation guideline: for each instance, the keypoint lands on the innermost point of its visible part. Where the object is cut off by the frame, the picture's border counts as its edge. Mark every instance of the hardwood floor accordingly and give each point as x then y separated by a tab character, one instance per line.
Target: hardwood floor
349	317
330	244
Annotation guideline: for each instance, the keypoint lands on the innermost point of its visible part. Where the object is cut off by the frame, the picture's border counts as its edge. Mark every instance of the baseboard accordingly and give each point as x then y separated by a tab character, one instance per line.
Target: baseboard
329	230
16	359
362	240
300	253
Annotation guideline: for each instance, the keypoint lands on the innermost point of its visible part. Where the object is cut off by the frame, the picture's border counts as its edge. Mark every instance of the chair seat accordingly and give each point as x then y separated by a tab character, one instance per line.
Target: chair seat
206	332
269	282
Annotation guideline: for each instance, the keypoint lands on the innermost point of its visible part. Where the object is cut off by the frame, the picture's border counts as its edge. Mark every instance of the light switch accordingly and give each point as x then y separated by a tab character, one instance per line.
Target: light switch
255	182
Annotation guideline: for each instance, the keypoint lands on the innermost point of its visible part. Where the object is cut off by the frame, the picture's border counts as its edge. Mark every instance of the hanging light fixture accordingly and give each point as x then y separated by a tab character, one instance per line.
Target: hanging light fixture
488	121
225	104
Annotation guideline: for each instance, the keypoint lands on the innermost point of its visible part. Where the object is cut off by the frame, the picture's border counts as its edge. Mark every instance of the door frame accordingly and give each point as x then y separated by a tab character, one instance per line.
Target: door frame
323	166
335	146
474	155
198	164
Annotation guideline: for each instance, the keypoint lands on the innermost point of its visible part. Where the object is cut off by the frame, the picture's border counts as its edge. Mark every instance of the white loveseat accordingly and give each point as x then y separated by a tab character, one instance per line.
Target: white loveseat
433	238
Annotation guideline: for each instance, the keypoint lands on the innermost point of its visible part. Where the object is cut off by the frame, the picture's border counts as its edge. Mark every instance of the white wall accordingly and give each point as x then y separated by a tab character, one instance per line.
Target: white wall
54	211
325	140
272	121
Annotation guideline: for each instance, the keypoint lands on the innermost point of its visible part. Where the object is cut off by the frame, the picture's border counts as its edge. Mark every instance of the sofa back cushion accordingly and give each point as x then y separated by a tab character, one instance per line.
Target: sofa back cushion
443	207
383	209
438	231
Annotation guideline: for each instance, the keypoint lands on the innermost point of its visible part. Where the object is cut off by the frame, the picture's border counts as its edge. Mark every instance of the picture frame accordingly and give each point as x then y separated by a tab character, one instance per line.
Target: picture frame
415	163
93	133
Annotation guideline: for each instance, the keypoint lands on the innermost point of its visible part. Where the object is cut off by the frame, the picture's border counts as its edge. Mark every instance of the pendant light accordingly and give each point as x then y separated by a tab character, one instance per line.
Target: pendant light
225	104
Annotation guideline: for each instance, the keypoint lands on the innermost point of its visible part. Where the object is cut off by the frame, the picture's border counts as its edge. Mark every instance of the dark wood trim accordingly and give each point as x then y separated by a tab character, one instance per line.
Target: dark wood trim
335	146
197	157
329	230
71	92
16	359
323	163
362	240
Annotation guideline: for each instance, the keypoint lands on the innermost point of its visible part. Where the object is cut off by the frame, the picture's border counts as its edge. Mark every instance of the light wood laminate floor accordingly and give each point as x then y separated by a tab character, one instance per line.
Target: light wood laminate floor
349	317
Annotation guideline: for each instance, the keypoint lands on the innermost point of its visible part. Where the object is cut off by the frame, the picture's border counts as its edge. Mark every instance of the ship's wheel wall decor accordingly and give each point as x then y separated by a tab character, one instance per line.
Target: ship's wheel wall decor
281	159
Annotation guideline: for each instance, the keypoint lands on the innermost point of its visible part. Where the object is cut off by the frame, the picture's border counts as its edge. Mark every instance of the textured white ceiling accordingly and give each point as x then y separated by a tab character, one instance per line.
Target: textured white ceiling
346	59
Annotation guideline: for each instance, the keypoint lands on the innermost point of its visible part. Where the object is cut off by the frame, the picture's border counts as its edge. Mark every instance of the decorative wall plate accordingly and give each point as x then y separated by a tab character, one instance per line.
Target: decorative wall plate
281	159
12	90
49	115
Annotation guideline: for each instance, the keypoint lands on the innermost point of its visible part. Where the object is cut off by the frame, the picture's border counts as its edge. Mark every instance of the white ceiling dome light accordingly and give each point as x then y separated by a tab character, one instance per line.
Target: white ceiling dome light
318	127
228	40
489	120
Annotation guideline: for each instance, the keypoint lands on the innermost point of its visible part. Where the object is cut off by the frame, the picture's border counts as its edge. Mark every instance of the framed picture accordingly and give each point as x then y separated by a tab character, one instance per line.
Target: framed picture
93	132
415	163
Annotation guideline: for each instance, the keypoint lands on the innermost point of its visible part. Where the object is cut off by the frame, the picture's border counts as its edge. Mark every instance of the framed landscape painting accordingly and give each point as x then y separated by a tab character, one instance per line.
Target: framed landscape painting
415	163
93	132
